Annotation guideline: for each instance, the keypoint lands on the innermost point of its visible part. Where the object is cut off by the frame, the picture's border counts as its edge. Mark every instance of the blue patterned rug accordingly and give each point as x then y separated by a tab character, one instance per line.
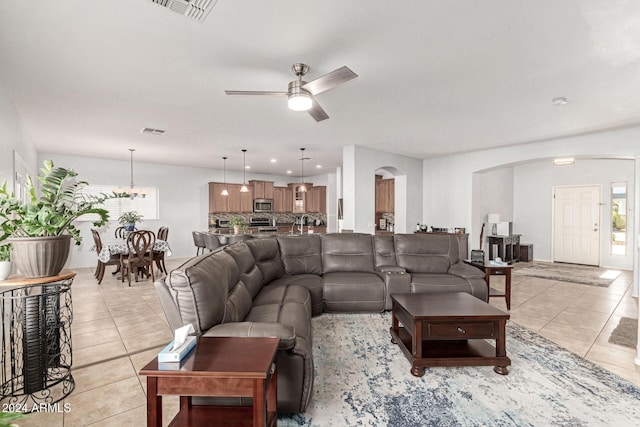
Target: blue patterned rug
364	380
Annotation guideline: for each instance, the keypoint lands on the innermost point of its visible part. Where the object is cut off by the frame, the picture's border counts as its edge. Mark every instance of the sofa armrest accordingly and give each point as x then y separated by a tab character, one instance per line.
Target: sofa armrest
466	271
256	329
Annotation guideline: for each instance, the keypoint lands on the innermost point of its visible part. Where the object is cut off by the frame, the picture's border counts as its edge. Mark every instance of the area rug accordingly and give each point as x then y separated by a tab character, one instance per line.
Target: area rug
361	379
584	274
626	333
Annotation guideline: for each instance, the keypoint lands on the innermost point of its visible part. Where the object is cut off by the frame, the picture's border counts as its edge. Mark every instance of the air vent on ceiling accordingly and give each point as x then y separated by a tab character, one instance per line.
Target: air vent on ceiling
197	10
151	131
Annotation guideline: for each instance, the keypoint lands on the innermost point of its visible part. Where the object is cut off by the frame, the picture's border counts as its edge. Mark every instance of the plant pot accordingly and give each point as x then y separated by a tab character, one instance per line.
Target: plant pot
40	256
236	229
130	226
5	269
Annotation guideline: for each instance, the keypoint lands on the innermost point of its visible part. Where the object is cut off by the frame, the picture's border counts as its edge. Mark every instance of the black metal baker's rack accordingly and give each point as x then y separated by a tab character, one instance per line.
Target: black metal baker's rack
36	341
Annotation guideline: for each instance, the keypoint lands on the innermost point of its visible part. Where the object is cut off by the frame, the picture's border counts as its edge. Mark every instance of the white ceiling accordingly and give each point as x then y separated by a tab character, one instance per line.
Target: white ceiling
435	77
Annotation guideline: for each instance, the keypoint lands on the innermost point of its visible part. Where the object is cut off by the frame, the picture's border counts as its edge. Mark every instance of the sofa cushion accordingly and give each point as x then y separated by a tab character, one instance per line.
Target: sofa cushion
435	283
347	252
312	282
433	253
266	252
353	292
384	250
301	254
250	274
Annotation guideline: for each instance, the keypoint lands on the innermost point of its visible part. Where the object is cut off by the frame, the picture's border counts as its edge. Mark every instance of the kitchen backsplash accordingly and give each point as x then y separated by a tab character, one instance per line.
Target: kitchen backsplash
280	218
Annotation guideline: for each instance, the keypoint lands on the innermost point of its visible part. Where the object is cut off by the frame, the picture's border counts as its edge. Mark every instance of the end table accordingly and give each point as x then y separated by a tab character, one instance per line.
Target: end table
217	366
496	270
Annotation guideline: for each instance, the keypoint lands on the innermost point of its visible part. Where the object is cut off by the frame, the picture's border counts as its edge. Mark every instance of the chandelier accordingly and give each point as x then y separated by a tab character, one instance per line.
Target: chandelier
130	192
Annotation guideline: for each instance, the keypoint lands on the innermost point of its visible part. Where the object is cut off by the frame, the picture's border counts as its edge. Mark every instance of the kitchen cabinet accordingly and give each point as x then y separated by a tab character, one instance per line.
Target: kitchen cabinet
217	202
299	197
317	199
385	195
235	202
262	189
240	202
282	199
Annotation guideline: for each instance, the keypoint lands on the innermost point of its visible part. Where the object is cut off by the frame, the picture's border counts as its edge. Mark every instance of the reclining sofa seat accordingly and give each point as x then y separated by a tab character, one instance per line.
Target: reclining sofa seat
434	265
223	294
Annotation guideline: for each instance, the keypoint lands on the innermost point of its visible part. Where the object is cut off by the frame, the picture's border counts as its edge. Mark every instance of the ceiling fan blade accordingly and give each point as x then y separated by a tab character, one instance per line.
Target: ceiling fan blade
317	112
330	80
253	92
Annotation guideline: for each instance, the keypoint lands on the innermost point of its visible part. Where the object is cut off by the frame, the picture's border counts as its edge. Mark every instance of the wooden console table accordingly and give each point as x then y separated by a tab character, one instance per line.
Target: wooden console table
508	247
217	366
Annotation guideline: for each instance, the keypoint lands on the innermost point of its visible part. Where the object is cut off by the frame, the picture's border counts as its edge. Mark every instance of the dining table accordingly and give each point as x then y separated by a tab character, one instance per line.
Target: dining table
119	246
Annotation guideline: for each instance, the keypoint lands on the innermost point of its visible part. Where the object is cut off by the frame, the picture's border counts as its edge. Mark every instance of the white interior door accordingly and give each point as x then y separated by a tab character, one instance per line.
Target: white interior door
576	225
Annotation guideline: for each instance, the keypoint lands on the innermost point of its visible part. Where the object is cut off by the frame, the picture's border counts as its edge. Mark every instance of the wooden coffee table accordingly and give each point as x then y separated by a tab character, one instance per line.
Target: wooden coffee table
448	329
218	366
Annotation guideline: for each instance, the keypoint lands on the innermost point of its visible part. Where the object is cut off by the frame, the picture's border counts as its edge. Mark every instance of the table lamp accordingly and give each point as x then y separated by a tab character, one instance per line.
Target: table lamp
494	219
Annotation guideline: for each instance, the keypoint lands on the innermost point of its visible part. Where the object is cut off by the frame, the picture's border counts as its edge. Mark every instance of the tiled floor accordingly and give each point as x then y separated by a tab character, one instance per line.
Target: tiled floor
117	329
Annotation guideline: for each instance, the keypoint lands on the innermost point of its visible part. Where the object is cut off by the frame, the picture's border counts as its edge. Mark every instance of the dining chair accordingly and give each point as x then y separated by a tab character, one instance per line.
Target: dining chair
140	256
114	260
198	241
119	233
158	256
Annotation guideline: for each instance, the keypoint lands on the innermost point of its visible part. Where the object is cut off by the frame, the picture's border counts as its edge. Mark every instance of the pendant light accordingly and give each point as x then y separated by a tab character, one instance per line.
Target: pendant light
302	187
131	191
244	188
225	191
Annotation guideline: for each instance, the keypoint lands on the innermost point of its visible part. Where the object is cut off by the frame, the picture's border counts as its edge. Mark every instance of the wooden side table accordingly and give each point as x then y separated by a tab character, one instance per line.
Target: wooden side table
223	367
496	270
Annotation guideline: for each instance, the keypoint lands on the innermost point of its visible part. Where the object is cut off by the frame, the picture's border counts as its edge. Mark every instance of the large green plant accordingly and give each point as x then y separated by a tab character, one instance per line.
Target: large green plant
52	213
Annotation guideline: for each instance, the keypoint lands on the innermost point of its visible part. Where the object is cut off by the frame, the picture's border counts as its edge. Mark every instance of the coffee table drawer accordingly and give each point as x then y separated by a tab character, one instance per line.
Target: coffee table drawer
460	330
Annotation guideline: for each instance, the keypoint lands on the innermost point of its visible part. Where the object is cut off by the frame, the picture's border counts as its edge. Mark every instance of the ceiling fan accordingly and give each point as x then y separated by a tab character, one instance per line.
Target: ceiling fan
301	94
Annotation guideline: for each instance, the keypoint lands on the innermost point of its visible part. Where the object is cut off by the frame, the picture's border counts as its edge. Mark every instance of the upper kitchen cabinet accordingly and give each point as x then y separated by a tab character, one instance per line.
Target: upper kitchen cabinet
385	195
217	202
282	199
299	197
238	201
262	189
317	199
235	202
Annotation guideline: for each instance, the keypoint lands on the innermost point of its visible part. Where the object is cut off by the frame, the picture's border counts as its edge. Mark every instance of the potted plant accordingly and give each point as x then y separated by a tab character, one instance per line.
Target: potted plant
238	223
128	220
5	260
40	230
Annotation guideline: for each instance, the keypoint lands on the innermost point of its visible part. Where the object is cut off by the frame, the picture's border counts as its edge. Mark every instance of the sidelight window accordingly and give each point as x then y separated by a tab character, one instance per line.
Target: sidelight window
619	218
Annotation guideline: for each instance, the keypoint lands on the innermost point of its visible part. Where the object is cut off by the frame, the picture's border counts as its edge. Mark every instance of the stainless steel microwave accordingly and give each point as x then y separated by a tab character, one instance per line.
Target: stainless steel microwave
263	205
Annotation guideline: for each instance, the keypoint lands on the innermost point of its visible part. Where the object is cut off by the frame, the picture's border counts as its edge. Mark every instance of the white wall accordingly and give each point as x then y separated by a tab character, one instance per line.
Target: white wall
183	197
358	186
448	181
12	137
533	185
492	193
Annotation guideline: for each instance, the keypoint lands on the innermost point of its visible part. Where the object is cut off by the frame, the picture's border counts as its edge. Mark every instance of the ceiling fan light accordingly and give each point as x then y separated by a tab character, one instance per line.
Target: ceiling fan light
300	102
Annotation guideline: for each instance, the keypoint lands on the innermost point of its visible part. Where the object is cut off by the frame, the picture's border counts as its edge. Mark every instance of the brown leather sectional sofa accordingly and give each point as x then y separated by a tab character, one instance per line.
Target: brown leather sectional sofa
273	287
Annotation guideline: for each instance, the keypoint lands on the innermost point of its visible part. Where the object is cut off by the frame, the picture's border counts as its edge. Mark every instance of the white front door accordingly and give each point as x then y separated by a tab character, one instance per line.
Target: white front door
576	224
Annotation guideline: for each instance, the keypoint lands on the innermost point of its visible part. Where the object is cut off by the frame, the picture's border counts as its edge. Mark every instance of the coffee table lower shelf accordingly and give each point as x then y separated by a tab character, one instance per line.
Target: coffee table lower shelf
229	416
473	352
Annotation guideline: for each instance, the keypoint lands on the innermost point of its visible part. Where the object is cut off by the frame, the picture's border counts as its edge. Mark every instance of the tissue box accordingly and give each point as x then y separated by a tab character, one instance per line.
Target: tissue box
168	355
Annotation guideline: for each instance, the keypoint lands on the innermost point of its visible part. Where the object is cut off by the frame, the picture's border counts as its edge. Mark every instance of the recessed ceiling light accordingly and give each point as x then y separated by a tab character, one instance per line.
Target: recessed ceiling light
561	100
318	166
564	161
289	172
274	160
247	167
